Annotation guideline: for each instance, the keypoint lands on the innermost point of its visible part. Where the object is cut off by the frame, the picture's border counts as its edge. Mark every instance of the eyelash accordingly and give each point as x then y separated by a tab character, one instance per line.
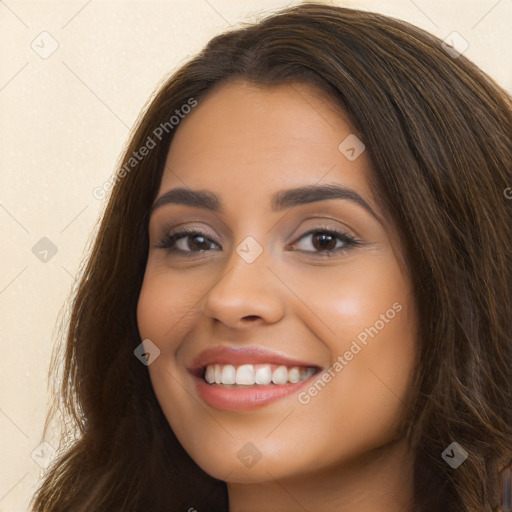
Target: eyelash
169	240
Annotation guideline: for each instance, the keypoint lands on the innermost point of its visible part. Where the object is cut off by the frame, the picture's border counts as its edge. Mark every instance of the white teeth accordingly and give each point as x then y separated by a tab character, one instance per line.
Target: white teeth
228	374
307	373
280	375
218	375
293	375
210	374
245	374
261	374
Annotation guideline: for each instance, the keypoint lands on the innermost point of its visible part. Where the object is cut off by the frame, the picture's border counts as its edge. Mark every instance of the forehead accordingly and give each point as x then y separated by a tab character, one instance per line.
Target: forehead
262	138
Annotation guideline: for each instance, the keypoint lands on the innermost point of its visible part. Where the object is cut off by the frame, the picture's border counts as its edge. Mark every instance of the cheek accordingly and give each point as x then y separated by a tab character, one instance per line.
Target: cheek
165	309
365	315
341	302
373	318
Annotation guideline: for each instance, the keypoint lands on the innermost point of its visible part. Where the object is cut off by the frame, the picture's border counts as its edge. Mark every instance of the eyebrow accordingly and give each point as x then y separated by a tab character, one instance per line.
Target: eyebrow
280	201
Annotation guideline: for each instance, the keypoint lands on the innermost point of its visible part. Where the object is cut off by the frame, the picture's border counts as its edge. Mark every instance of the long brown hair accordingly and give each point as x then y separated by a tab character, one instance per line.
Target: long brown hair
438	133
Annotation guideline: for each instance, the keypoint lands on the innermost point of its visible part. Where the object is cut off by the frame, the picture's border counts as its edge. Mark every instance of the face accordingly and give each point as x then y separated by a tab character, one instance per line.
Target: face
284	318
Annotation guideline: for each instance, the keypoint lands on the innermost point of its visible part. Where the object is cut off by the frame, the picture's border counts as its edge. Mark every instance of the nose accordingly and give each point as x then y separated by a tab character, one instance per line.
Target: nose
246	293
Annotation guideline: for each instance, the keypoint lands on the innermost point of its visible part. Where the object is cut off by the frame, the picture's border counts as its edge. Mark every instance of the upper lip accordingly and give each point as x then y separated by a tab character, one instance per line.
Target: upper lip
243	355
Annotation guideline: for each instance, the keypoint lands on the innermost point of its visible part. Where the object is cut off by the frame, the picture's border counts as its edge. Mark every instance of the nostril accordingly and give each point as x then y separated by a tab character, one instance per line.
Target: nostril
251	317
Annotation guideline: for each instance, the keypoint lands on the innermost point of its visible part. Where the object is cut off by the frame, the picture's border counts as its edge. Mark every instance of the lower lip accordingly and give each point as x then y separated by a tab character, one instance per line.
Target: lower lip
247	398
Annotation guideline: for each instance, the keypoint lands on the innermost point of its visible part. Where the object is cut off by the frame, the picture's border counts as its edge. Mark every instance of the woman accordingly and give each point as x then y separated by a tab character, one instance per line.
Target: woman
299	295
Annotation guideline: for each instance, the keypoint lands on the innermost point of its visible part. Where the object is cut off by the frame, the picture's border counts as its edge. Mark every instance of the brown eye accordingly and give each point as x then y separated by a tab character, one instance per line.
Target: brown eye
186	242
323	241
326	242
197	242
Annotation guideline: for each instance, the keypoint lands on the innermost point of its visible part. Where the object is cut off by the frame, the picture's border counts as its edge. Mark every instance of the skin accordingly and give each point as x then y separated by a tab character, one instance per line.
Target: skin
342	450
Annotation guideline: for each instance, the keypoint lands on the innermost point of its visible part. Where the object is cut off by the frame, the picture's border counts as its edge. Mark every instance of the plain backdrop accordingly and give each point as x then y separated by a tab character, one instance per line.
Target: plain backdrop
73	78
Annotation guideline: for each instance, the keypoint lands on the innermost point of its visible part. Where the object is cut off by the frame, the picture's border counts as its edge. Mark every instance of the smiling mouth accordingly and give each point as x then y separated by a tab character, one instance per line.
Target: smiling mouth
247	387
246	378
244	375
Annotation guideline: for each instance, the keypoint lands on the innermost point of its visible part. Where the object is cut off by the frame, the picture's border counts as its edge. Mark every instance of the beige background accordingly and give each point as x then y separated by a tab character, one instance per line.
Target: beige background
65	117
